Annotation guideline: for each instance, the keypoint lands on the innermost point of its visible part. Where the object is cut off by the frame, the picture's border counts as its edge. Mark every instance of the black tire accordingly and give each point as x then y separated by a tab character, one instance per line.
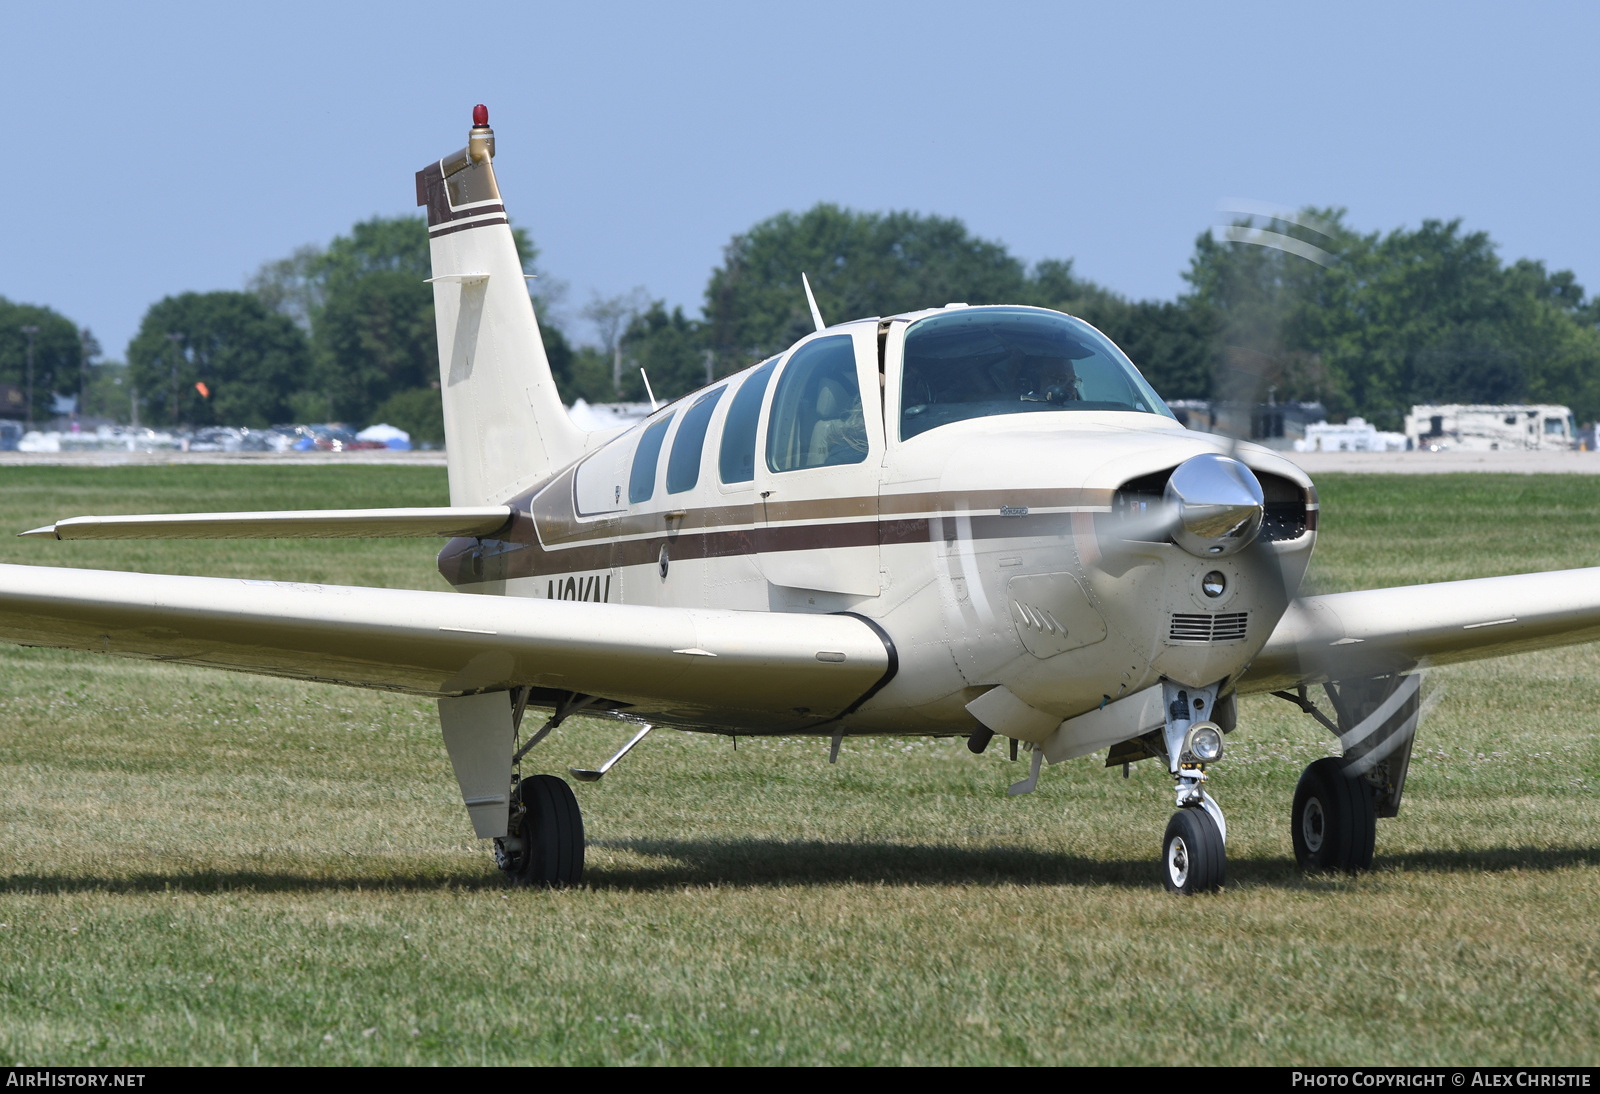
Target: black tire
979	739
1335	820
1193	857
552	833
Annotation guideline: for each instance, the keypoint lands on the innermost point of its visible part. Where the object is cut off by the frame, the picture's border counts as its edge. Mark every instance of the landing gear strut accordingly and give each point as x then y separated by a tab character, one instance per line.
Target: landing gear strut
544	843
1194	853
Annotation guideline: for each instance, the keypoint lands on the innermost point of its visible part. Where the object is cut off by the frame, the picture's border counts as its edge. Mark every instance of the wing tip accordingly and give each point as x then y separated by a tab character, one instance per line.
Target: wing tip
47	532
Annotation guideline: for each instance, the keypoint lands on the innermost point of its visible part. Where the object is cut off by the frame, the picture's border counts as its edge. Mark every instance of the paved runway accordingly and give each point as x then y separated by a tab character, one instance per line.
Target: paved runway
1565	462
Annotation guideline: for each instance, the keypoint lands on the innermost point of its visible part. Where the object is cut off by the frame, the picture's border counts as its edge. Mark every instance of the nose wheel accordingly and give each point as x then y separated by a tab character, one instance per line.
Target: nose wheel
1193	856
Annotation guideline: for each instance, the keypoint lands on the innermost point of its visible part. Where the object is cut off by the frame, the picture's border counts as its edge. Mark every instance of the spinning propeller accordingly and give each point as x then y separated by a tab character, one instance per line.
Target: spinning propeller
1213	506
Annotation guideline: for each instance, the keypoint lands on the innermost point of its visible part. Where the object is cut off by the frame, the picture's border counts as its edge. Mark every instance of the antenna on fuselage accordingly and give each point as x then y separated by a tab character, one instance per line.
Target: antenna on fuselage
816	315
647	390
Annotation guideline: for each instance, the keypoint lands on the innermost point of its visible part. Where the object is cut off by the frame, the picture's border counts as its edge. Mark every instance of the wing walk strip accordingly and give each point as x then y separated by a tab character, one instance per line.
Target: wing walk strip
439	643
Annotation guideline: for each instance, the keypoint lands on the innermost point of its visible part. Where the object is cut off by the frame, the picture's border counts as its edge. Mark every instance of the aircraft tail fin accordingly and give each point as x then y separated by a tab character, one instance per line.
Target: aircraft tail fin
505	427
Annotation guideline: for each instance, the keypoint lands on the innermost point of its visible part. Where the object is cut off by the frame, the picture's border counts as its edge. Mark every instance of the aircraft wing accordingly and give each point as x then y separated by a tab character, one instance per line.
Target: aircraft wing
1379	631
480	520
690	666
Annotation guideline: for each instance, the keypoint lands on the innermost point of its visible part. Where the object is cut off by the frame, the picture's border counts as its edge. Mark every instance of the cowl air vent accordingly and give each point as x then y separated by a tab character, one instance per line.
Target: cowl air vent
1197	629
1287	515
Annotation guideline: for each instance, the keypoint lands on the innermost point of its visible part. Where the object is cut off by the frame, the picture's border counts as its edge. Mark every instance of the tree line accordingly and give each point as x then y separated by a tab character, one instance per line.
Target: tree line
1300	307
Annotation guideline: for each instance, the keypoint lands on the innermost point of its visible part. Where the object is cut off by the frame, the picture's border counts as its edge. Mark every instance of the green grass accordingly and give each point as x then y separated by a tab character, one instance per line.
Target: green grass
197	867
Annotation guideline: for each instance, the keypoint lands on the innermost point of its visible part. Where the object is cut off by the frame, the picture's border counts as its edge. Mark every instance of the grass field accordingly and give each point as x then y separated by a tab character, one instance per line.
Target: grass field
198	867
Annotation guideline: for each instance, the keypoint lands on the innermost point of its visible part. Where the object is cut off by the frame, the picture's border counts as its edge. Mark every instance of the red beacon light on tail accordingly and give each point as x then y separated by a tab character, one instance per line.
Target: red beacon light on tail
480	141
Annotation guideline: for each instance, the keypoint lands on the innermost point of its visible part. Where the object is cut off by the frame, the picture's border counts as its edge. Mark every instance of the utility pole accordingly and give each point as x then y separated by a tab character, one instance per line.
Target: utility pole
30	332
175	339
87	348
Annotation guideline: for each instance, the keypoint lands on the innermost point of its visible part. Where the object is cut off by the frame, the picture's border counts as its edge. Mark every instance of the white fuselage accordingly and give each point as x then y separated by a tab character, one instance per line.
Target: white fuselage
982	549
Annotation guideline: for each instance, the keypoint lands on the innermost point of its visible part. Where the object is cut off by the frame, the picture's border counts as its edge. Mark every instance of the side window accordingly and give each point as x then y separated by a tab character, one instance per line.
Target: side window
737	460
642	480
816	411
683	466
599	484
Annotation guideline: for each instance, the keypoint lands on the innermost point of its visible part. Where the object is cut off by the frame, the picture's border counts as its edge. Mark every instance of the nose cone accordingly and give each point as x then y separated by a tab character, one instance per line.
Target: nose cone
1219	505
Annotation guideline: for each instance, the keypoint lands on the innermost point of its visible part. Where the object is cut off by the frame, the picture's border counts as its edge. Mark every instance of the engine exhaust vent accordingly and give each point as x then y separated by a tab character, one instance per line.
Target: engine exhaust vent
1196	629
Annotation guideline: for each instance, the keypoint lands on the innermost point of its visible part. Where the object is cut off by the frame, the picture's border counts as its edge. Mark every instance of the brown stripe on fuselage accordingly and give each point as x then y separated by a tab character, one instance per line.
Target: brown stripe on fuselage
524	557
547	537
557	523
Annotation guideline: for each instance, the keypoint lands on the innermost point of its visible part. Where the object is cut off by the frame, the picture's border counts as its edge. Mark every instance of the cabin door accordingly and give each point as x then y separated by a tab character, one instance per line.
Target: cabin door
818	461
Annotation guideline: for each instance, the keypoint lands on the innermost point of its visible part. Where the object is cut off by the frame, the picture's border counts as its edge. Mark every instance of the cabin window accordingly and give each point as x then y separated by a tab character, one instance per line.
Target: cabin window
985	361
683	466
642	480
737	459
816	411
598	488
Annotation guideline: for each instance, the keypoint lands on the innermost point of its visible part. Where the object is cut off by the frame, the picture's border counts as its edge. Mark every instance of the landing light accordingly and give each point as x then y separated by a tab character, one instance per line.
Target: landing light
1214	584
1204	742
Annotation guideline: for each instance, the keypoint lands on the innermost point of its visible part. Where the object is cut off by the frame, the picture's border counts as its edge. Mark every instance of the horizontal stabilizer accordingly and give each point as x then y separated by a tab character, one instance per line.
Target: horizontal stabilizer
476	520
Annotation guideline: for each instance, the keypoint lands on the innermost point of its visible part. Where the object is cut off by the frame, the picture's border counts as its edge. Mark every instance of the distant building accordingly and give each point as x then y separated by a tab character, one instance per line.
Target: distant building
1272	424
1513	427
595	416
1356	435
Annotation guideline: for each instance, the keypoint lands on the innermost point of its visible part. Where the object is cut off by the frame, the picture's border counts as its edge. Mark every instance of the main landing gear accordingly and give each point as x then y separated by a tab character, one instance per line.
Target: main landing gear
543	844
1335	821
1340	798
1194	854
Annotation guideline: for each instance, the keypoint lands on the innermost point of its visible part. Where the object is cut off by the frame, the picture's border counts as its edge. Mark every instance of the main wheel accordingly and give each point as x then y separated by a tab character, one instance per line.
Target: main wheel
1193	858
1335	820
552	835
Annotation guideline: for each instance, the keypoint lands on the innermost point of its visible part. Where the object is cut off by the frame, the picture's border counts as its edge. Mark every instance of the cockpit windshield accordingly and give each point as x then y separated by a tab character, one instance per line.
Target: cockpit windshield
978	362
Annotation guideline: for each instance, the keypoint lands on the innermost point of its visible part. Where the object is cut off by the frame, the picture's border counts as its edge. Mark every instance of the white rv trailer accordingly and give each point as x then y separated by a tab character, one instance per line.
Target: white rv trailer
1514	427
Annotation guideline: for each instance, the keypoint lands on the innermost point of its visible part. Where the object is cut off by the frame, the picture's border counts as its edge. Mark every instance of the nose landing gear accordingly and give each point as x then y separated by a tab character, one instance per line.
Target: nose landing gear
1194	852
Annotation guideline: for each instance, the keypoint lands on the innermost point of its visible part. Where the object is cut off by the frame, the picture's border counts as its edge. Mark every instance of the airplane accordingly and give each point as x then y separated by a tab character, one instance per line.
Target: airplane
962	521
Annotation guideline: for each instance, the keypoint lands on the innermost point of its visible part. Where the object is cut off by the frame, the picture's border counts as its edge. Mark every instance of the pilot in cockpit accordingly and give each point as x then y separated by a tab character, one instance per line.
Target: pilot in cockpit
1049	380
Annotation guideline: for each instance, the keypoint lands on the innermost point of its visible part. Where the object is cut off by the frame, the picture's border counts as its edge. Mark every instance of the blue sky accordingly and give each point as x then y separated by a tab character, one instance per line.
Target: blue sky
155	149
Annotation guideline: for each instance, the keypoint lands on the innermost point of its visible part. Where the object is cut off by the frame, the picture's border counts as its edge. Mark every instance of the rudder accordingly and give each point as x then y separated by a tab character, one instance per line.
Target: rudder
504	423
